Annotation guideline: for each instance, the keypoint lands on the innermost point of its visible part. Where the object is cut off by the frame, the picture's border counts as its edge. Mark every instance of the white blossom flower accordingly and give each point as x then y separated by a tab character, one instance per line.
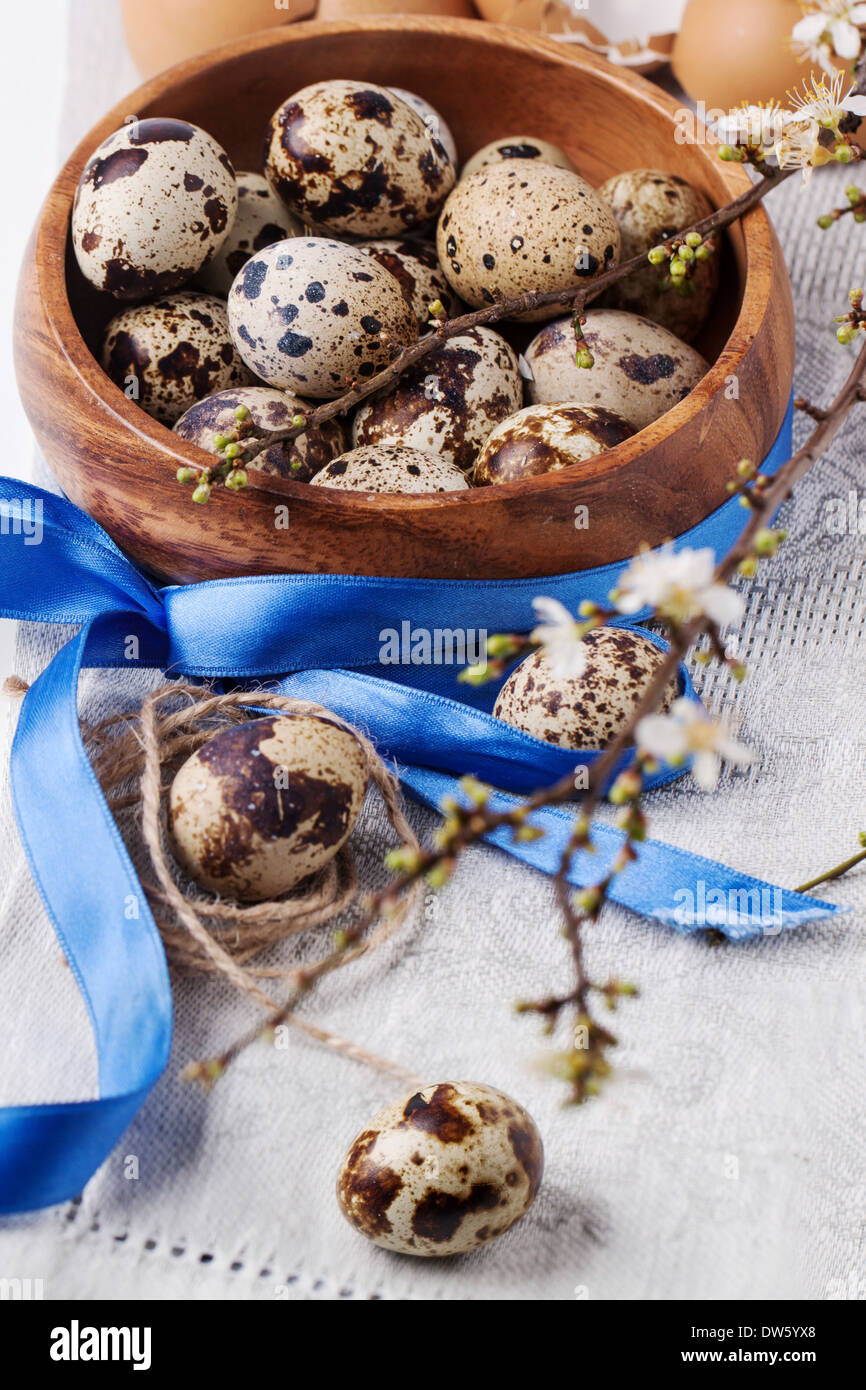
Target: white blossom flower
688	731
825	102
757	126
677	584
830	29
559	634
799	147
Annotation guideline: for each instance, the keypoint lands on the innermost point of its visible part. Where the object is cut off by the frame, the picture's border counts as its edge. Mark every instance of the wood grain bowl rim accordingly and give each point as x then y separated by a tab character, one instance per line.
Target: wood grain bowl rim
52	231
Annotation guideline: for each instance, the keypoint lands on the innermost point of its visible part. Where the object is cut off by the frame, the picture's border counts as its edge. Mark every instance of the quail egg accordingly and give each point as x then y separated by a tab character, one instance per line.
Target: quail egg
431	118
266	410
262	218
353	157
442	1171
640	369
169	354
416	266
154	203
545	438
390	467
587	712
447	403
521	226
310	315
517	147
264	804
651	206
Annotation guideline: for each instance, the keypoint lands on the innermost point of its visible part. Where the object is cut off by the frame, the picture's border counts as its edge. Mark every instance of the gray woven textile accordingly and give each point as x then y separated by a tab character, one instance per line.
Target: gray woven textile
724	1160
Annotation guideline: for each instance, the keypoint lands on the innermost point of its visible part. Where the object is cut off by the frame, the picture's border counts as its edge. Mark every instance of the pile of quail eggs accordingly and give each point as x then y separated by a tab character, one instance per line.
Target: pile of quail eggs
251	297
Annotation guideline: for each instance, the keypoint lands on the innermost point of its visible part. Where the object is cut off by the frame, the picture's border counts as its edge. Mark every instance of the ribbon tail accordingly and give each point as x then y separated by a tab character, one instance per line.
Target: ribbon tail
673	886
105	929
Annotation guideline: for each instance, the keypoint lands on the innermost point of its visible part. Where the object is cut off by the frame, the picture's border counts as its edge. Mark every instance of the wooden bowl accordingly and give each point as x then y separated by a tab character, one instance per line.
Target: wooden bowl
119	464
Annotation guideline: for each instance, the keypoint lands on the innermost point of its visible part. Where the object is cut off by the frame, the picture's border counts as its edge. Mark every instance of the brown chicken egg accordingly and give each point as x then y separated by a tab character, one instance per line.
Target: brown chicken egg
262	805
442	1171
354	157
545	438
587	712
520	226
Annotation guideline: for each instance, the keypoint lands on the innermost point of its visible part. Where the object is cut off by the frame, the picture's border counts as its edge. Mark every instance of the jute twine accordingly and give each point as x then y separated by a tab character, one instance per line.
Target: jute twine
135	756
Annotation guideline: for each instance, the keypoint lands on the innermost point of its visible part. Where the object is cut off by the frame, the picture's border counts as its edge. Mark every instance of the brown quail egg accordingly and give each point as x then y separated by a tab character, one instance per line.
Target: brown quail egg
431	118
416	266
311	315
264	804
391	467
447	403
442	1171
651	206
544	438
352	157
153	205
261	219
517	147
518	226
266	410
640	369
587	712
169	354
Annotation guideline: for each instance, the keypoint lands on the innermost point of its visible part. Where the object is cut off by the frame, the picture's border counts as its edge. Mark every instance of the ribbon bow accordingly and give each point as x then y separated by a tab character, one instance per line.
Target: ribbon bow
59	566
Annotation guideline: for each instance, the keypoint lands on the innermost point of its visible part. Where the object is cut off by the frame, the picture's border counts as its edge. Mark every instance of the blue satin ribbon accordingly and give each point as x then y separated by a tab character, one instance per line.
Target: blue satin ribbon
327	631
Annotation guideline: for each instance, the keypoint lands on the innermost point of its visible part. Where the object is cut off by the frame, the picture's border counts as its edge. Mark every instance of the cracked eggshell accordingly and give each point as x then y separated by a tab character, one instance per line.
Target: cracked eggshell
517	147
442	1171
415	265
518	226
640	369
432	120
299	458
309	315
545	438
175	351
264	804
447	403
154	203
588	712
261	219
651	206
391	467
353	157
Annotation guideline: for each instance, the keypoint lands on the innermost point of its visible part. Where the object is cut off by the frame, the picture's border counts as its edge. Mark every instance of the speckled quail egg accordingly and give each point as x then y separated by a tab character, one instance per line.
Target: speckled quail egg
267	410
262	218
640	369
447	403
264	804
169	354
416	266
517	147
431	118
442	1171
310	315
154	203
588	712
391	467
651	206
352	157
545	438
518	226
